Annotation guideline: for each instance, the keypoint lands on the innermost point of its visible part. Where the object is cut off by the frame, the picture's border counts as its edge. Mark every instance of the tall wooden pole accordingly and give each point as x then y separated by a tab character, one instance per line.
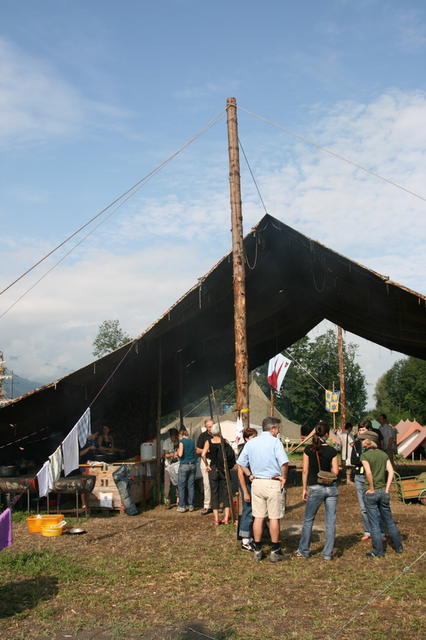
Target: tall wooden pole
238	264
341	377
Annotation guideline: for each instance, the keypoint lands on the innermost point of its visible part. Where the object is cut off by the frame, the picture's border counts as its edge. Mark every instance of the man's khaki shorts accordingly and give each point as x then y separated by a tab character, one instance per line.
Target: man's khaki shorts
267	499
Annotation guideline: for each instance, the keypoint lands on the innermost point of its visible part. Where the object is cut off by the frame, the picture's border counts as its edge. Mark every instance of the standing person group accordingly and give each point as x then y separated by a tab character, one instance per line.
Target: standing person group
262	473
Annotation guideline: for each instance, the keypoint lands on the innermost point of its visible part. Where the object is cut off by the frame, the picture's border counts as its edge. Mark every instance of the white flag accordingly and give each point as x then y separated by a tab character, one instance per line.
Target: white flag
278	367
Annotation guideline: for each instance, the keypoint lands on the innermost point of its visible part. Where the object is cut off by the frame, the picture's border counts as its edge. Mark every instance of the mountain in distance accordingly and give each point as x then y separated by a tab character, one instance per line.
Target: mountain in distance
13	388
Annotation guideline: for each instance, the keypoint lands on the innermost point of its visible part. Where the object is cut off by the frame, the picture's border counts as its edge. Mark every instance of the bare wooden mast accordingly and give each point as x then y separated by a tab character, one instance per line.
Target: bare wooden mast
238	262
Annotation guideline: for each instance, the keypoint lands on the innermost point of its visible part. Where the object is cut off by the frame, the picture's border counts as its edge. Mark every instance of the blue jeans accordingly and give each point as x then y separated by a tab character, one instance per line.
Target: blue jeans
186	482
122	480
317	495
378	509
246	518
360	488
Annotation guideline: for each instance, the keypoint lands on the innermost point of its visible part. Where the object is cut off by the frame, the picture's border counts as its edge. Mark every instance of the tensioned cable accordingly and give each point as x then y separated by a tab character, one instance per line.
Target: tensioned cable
128	192
103	220
253	266
252	176
404	570
333	153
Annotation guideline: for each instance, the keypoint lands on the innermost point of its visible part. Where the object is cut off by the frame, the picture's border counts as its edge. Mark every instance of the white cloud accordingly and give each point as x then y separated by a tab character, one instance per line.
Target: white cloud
36	104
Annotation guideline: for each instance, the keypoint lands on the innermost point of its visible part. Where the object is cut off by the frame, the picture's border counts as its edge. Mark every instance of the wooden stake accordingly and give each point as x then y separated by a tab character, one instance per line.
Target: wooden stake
341	377
225	462
238	263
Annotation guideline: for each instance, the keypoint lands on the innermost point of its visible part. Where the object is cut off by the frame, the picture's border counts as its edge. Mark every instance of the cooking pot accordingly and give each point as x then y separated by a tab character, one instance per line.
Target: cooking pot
7	471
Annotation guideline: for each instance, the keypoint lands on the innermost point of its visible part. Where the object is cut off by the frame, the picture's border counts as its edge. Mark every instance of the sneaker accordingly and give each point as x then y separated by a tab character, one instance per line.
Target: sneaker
277	556
181	509
328	557
299	554
399	550
258	555
366	537
204	511
190	508
371	554
248	546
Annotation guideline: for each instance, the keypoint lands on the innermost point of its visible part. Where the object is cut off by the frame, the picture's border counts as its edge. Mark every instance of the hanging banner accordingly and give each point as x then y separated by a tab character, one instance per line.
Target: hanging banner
277	368
332	401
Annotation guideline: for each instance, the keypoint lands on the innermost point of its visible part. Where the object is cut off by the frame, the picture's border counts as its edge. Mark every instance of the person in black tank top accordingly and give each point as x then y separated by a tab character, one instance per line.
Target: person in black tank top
315	494
216	470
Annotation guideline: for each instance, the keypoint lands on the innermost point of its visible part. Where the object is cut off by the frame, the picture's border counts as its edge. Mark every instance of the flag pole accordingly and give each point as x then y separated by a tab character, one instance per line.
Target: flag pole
341	377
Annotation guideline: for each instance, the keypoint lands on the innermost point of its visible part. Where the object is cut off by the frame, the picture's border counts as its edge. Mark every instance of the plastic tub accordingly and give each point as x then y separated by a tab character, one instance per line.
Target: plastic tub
53	518
34	524
52	529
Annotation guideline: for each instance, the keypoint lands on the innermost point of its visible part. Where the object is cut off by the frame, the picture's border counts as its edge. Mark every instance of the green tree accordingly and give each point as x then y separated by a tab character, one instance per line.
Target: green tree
401	391
110	336
302	397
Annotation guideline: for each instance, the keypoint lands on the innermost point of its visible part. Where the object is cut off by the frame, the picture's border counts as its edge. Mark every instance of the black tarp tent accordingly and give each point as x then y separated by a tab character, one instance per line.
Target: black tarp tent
292	283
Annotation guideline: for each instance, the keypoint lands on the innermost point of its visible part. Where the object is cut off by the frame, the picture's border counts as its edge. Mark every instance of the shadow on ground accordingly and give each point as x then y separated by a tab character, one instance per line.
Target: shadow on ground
19	596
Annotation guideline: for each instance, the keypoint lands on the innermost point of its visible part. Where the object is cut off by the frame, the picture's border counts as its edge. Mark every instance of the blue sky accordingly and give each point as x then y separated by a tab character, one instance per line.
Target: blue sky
94	95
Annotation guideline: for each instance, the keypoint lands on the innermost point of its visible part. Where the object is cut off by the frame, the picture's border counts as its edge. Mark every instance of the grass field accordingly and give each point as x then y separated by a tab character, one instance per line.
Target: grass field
168	576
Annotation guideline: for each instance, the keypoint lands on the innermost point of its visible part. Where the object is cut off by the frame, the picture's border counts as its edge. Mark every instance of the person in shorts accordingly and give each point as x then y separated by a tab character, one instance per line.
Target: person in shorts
265	462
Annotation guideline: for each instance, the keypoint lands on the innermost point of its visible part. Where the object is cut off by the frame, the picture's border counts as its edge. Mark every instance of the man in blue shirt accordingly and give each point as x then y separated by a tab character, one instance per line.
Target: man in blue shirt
265	462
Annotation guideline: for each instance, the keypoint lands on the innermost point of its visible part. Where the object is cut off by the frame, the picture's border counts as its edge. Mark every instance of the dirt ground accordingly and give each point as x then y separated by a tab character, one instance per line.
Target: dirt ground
167	575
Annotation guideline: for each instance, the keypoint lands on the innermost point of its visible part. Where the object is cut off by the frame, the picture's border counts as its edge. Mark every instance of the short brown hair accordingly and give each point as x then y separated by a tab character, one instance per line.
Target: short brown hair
249	432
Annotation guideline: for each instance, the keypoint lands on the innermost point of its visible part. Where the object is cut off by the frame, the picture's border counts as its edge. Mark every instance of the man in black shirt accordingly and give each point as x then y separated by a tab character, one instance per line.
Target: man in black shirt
205	435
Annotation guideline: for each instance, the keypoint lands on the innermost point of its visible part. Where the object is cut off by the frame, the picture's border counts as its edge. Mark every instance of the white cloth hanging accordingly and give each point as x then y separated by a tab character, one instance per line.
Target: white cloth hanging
44	480
56	464
70	451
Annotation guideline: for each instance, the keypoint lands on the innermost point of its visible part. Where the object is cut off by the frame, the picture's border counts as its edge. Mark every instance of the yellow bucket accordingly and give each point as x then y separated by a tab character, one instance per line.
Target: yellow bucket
52	529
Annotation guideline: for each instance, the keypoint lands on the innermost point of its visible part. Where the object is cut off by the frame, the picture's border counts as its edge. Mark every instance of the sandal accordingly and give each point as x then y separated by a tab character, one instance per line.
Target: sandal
217	522
224	522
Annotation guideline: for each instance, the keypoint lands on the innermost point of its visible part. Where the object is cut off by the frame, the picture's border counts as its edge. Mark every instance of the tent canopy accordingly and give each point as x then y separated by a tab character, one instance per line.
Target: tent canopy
292	283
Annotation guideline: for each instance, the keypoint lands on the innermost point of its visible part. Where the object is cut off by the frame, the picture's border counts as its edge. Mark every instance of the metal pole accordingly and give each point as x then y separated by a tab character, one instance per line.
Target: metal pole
238	264
341	377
